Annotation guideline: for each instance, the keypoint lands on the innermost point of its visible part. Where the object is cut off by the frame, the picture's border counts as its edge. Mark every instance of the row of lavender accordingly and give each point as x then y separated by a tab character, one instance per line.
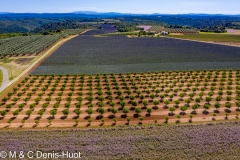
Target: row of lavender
202	141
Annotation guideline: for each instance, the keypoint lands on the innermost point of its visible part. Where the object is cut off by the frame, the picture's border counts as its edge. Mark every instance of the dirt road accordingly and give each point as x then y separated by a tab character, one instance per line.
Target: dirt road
5	79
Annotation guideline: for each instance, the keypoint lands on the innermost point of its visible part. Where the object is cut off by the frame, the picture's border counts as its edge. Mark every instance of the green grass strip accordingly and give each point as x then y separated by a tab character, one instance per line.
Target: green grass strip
1	77
210	37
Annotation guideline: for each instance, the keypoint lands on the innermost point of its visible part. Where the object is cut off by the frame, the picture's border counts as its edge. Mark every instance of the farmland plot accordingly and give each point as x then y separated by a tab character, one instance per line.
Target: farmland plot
27	44
92	55
211	141
170	97
106	28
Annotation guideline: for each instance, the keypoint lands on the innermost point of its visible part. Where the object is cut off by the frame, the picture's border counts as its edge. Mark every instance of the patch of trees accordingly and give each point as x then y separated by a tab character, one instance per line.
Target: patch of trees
175	26
216	29
8	35
59	26
210	23
125	27
24	25
143	33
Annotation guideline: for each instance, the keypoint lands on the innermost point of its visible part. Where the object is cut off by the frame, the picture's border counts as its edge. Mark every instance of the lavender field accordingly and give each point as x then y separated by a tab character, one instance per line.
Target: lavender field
201	141
87	54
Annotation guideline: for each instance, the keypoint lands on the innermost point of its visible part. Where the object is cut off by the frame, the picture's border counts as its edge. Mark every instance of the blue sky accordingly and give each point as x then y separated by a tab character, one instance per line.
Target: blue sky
122	6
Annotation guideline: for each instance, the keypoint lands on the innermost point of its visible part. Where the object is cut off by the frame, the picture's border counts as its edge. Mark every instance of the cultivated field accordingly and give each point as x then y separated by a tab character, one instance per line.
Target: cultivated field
110	96
228	39
159	29
158	97
203	141
106	28
123	54
19	53
23	45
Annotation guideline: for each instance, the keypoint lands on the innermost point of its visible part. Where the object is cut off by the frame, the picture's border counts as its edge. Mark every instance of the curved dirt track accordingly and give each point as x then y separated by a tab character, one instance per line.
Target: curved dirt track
5	79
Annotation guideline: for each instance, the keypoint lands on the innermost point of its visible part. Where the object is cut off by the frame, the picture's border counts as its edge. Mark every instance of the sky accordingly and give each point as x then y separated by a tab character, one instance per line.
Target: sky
122	6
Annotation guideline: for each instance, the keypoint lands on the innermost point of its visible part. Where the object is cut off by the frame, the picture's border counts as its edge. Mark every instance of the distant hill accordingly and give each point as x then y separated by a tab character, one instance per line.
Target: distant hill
27	22
85	12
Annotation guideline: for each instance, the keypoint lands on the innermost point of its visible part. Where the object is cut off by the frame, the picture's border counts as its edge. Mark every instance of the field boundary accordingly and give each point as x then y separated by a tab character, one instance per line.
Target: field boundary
84	128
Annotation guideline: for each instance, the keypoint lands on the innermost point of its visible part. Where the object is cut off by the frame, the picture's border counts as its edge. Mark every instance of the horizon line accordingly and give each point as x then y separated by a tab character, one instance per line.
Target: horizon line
82	12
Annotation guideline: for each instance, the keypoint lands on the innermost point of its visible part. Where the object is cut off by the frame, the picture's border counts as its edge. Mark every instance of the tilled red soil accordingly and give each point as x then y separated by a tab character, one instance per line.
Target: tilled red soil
160	90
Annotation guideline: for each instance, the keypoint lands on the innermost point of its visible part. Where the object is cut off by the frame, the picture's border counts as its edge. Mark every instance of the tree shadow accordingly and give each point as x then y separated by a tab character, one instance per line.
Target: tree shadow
148	115
144	107
120	109
155	107
111	116
123	116
182	113
75	117
194	112
12	118
87	103
63	117
86	117
227	110
216	111
37	118
165	107
136	115
99	117
25	118
205	112
176	106
50	118
132	108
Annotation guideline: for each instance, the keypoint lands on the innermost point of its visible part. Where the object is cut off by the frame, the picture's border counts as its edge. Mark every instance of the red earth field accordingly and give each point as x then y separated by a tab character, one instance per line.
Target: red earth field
115	99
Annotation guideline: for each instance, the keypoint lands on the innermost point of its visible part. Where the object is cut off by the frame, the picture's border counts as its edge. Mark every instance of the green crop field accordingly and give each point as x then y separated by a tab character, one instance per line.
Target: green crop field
210	38
27	44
